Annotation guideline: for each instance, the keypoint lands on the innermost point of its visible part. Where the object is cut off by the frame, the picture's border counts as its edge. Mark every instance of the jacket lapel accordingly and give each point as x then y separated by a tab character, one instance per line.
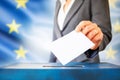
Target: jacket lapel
72	11
56	26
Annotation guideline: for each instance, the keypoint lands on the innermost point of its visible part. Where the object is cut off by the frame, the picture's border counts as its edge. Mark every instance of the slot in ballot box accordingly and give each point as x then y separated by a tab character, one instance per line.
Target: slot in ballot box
55	71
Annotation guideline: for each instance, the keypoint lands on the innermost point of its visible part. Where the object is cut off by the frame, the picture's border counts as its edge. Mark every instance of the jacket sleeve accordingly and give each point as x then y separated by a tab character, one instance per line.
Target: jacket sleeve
101	16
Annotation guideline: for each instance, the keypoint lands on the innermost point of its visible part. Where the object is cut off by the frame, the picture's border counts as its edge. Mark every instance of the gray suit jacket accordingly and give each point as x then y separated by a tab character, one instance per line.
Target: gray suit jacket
96	11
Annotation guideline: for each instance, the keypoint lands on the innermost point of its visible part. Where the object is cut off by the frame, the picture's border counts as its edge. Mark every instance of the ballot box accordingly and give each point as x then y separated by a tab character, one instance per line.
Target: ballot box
55	71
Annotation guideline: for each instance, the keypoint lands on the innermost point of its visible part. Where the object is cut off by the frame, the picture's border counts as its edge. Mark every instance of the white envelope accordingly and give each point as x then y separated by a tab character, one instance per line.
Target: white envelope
70	46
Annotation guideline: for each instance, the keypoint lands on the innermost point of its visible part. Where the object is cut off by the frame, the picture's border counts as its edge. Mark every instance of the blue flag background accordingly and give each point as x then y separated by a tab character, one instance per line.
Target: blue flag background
26	30
112	53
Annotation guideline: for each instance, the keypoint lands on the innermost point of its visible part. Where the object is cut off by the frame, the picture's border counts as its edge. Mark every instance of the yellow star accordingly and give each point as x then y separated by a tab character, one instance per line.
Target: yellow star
21	3
111	53
13	27
20	53
113	3
116	26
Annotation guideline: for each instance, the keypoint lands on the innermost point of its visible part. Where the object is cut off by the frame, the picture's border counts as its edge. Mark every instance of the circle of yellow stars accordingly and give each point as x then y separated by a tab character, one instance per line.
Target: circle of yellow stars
21	51
13	27
110	52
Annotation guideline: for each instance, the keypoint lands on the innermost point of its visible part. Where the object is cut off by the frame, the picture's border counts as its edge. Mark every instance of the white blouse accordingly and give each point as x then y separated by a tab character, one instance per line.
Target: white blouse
62	14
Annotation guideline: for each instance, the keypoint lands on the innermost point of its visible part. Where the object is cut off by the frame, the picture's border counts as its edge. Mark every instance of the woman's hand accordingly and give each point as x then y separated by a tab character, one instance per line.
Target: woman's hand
92	31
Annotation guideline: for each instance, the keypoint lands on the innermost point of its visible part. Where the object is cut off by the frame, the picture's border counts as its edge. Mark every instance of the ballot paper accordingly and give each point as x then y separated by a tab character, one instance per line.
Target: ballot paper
70	46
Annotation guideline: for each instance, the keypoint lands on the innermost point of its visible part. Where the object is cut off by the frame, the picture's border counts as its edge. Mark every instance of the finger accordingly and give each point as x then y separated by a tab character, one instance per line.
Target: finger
95	47
97	38
82	25
97	43
88	29
92	34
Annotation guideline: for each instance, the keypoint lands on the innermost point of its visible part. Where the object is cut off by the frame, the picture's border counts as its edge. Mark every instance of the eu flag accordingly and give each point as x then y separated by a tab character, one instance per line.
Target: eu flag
112	53
25	30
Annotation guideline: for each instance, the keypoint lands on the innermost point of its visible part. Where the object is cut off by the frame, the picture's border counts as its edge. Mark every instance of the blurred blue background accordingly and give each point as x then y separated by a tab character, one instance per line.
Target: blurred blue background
27	43
112	53
26	30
